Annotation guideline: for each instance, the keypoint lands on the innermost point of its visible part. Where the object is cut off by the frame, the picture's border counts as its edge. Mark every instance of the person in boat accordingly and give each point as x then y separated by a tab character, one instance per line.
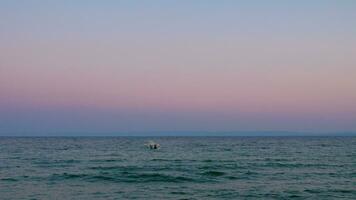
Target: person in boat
153	145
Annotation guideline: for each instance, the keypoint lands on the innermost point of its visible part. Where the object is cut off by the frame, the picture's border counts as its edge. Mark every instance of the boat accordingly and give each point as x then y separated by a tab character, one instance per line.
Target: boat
153	145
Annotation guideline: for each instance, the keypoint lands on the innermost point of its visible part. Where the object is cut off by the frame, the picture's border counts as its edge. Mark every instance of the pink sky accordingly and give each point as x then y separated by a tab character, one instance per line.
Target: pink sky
290	68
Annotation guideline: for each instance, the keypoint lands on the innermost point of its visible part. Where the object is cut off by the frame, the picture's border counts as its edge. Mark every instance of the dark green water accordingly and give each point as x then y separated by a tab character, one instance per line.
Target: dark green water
184	168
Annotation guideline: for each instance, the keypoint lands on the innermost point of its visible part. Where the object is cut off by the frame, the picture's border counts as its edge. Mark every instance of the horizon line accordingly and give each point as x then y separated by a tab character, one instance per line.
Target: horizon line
177	133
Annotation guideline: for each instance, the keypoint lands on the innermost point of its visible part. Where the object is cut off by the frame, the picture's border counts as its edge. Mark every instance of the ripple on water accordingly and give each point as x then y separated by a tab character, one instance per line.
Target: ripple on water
124	177
214	173
9	179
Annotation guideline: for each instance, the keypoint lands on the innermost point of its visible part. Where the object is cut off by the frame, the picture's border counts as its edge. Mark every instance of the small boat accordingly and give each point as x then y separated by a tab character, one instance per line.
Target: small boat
153	145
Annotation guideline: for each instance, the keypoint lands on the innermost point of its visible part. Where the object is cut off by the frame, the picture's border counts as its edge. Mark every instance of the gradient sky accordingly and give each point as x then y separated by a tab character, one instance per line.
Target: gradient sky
123	66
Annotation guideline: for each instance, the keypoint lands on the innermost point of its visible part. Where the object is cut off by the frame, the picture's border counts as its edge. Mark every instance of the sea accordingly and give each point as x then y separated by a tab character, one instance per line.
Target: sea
182	168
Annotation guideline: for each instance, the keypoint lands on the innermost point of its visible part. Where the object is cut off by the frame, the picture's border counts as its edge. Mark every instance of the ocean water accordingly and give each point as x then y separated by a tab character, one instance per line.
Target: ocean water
183	168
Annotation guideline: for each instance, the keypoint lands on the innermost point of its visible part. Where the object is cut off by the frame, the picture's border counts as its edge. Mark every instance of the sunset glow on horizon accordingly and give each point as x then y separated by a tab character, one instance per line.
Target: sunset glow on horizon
86	66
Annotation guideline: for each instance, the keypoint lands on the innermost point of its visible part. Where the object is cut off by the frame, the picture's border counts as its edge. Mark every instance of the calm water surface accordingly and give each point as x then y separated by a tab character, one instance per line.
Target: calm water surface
183	168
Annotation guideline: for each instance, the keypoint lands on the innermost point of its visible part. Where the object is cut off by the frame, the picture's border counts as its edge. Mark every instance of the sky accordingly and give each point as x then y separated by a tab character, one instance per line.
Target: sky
97	67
